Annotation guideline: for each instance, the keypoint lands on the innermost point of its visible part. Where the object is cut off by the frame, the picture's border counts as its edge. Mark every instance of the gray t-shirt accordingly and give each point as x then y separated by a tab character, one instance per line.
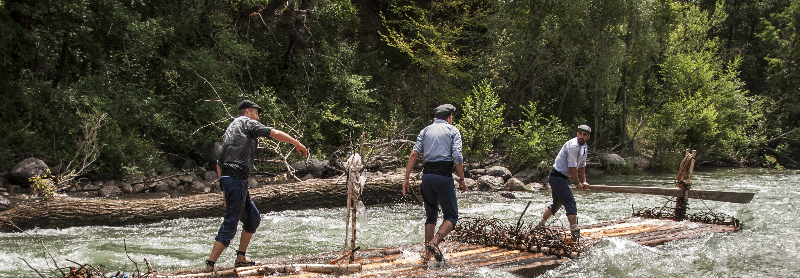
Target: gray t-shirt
239	146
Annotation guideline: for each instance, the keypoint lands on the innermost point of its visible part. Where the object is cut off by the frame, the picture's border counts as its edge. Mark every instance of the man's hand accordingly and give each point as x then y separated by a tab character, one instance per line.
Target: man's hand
301	149
462	185
406	186
223	200
583	186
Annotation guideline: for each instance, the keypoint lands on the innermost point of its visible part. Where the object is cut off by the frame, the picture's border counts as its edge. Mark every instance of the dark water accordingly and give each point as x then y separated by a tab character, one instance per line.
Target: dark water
767	246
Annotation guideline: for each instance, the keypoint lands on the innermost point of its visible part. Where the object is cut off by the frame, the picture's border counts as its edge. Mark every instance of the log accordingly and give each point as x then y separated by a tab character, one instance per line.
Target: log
316	193
269	269
722	196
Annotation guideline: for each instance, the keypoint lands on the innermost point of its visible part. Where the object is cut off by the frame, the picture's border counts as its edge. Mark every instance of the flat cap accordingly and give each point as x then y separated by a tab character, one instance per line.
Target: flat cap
585	128
249	104
443	111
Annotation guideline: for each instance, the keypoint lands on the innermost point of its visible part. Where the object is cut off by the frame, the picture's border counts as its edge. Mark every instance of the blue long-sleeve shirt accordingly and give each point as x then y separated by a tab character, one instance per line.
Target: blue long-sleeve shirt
440	141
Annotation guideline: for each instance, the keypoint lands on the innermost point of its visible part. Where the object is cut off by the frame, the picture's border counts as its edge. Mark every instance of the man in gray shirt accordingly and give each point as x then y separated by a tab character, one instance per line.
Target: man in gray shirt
440	144
233	168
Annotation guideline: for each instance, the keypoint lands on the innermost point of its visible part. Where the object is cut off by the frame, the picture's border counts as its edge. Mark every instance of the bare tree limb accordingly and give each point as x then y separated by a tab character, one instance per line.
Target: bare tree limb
34	269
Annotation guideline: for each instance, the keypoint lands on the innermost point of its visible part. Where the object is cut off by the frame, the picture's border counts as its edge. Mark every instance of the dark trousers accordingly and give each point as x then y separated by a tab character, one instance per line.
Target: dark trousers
562	195
439	190
239	207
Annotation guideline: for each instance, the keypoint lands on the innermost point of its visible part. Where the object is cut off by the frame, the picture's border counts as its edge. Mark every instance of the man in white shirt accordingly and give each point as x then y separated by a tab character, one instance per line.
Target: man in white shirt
570	162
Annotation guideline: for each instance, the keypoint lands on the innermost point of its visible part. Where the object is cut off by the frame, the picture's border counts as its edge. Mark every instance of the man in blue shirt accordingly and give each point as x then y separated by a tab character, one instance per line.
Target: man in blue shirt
440	144
570	162
233	168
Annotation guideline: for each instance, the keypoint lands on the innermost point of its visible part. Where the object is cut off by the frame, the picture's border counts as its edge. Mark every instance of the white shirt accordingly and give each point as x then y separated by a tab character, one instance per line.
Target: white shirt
571	155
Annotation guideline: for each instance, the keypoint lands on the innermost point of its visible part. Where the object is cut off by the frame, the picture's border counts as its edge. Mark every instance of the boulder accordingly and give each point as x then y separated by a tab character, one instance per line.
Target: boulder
478	172
611	160
508	195
314	167
198	187
471	184
307	177
134	178
109	183
109	191
188	178
13	188
3	191
126	188
214	186
210	155
137	188
209	175
161	186
252	183
490	183
528	175
90	186
172	183
4	203
514	184
499	171
535	186
23	171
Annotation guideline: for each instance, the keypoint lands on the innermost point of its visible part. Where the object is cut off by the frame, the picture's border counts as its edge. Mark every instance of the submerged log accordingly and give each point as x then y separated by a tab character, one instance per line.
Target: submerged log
69	212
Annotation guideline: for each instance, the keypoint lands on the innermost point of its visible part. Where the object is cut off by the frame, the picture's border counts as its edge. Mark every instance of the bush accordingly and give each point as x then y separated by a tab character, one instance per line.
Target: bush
481	120
535	138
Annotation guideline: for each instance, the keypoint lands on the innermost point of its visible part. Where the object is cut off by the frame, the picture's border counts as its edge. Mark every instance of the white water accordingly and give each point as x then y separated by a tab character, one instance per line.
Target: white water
767	246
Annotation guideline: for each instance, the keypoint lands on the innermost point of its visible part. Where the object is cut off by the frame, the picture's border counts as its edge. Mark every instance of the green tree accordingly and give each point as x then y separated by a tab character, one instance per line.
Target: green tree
480	121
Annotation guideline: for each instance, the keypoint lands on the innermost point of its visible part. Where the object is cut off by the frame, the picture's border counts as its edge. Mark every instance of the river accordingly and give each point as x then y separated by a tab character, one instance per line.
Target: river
767	246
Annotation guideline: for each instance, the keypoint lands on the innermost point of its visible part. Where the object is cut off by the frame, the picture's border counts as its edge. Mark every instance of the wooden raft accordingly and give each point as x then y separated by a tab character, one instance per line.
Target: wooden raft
463	259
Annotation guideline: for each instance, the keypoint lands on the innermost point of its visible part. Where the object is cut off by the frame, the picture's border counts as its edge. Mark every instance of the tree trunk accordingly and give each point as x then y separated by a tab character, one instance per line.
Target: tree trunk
64	213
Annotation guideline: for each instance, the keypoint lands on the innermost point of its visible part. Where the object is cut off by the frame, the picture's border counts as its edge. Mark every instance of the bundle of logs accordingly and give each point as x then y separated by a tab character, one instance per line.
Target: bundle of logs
493	232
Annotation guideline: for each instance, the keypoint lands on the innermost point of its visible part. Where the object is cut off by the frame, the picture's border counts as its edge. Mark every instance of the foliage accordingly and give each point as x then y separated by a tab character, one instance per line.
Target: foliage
651	77
536	138
480	121
43	185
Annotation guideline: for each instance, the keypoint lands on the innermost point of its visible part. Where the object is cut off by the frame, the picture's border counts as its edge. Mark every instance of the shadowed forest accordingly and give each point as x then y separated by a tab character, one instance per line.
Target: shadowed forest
126	86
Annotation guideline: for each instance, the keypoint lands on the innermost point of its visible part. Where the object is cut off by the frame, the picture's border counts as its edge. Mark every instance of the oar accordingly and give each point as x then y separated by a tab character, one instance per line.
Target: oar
713	195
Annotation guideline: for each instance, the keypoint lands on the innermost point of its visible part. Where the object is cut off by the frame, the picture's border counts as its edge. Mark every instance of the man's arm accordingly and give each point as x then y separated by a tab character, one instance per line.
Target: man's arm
410	167
582	172
461	183
573	171
283	137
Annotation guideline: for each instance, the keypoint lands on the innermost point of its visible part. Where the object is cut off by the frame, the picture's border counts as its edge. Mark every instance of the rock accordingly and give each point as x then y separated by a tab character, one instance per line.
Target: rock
3	191
137	188
209	175
514	184
508	195
535	186
210	155
307	177
4	203
161	186
252	183
90	186
198	187
499	171
188	178
126	188
109	191
528	175
23	171
314	167
471	184
611	160
478	172
172	183
490	183
134	178
109	183
215	186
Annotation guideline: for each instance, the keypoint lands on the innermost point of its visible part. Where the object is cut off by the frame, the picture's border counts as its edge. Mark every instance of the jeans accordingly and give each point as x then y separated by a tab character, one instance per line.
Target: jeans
239	207
562	195
438	189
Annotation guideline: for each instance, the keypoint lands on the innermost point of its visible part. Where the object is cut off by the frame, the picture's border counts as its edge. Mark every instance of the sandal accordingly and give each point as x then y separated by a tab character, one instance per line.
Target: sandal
244	263
434	249
211	264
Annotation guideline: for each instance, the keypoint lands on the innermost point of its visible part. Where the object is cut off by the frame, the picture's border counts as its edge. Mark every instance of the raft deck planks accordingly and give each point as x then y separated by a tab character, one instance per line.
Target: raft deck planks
463	259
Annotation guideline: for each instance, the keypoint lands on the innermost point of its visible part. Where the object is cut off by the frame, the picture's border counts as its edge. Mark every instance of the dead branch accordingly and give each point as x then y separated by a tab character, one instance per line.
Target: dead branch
87	150
138	273
34	269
